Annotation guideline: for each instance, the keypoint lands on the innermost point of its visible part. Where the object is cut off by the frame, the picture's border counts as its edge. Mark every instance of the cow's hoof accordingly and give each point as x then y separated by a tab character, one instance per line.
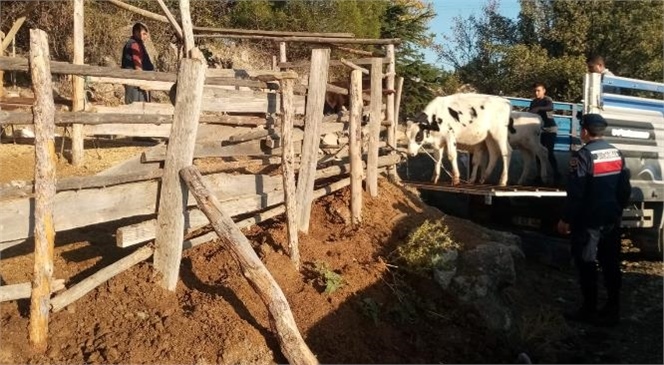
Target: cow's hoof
455	182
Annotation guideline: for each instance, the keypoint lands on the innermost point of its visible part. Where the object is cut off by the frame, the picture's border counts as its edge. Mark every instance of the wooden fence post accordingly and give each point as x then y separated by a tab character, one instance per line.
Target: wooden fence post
2	73
389	112
355	146
288	169
44	120
320	59
397	107
291	342
282	52
187	27
78	92
374	125
180	153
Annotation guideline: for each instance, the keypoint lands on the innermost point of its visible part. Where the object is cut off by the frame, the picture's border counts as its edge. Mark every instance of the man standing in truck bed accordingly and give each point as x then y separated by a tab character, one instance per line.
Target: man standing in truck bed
135	57
598	190
543	106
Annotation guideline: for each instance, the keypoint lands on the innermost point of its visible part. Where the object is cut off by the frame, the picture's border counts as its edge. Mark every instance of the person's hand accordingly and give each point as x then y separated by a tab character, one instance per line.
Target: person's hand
563	227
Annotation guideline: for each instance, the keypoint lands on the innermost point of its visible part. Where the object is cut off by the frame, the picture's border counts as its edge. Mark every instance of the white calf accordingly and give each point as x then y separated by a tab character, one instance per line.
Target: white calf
466	119
528	128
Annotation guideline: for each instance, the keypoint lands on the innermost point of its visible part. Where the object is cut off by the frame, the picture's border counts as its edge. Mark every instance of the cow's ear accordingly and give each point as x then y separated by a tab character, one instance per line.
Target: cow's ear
422	118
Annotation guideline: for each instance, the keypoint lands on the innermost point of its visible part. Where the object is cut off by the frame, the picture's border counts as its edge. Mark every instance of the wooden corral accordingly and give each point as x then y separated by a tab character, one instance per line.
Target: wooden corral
259	117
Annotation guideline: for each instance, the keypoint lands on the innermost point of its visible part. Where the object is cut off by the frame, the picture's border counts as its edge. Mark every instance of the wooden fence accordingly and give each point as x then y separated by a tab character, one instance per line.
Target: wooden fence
273	122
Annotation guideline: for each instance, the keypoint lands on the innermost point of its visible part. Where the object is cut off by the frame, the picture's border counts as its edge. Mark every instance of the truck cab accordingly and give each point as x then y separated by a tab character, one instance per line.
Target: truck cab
634	110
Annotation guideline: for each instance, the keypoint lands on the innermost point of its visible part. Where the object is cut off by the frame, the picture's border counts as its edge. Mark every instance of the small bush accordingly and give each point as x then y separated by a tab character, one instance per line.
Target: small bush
328	278
429	246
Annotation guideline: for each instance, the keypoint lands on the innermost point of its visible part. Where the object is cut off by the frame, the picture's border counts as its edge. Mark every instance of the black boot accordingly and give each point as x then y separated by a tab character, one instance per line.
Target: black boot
609	315
585	314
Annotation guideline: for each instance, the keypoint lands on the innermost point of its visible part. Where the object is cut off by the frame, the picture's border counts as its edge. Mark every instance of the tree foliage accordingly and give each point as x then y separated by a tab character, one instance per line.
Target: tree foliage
550	41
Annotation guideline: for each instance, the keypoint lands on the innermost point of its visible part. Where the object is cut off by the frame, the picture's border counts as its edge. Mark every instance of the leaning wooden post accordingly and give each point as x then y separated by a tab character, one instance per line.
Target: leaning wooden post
291	342
288	169
44	120
389	112
78	92
180	153
171	19
374	125
187	27
355	146
320	59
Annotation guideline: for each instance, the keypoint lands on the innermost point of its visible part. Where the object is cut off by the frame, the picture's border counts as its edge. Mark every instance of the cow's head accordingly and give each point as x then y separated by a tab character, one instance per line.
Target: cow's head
418	132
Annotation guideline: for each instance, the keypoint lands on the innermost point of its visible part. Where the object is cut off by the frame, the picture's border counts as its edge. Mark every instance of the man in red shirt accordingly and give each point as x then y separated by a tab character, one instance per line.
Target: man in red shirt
135	57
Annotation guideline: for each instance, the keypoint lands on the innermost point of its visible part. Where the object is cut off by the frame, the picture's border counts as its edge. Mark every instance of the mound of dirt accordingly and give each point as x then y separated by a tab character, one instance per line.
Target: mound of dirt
377	314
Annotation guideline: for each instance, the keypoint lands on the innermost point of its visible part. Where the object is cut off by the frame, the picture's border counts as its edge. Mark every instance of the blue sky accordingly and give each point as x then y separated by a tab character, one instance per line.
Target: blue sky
447	10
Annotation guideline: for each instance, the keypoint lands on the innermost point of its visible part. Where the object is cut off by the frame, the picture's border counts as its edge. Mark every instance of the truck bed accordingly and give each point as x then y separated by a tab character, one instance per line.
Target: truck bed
489	191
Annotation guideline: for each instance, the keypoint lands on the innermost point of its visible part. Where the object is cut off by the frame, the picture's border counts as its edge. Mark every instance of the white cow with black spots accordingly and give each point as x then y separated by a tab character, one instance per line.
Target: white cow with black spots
468	120
526	138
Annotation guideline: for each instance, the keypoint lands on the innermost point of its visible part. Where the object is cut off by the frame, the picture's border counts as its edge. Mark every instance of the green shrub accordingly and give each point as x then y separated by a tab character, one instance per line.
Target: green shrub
429	246
328	278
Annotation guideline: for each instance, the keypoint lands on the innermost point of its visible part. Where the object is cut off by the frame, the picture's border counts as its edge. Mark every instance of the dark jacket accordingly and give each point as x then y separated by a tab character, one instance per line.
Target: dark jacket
134	53
598	187
543	107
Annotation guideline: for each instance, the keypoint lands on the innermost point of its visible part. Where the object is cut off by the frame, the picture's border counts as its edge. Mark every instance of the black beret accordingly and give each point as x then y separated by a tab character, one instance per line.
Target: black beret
594	121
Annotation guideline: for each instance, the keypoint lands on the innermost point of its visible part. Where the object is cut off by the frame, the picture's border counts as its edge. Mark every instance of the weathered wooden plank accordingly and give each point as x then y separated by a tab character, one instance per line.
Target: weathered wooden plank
23	290
164	19
74	209
80	182
302	39
88	284
353	66
21	64
288	171
216	99
291	342
248	148
45	161
144	231
235	205
315	101
355	147
215	149
357	61
264	216
374	126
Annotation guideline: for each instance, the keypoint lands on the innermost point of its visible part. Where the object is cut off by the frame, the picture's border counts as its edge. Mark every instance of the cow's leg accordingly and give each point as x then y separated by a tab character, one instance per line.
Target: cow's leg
478	157
506	153
493	158
543	156
439	164
452	156
527	163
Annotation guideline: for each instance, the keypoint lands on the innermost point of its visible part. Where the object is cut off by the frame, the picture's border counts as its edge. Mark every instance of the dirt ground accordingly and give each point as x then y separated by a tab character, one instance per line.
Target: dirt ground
380	314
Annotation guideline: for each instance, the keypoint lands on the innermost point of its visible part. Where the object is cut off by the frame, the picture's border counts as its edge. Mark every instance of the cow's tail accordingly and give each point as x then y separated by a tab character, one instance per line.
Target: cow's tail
510	126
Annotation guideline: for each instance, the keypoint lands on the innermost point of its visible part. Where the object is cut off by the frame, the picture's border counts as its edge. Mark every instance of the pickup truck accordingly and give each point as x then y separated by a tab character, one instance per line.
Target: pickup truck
634	110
